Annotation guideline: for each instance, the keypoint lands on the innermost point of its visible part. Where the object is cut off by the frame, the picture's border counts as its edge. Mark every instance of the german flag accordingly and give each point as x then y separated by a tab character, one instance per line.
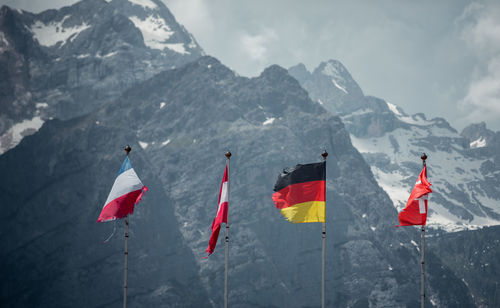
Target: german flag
300	193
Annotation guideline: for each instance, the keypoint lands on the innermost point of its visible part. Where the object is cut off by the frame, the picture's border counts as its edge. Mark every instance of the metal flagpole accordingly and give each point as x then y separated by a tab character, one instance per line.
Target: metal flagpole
422	262
228	156
323	235
125	266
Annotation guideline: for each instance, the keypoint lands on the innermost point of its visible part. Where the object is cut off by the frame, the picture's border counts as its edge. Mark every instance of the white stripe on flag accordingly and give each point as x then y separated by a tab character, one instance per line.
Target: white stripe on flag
421	204
223	197
126	182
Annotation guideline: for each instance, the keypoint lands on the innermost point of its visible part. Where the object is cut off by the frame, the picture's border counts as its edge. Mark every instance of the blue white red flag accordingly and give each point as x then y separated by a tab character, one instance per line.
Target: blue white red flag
125	194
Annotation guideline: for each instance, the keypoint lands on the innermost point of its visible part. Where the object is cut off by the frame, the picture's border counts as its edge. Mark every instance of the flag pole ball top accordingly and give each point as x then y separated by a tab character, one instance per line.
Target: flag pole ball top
423	157
128	149
228	154
324	154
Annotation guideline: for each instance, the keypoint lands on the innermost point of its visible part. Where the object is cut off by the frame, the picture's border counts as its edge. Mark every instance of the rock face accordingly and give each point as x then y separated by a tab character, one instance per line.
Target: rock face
180	123
68	62
462	167
331	85
478	135
53	257
474	256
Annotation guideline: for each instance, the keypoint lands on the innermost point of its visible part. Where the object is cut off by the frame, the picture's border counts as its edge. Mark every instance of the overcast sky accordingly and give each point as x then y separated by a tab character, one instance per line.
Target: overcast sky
441	58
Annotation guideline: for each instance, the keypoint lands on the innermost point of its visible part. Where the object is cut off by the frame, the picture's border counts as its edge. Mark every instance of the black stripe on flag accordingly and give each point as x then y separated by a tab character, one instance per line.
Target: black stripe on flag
301	174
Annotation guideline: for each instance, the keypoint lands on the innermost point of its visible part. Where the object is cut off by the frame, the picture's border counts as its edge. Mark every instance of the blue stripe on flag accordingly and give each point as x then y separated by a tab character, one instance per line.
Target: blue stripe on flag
125	166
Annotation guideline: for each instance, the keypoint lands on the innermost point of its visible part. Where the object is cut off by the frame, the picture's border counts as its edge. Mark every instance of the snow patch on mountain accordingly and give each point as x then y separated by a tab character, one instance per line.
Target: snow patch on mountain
3	41
50	34
154	30
356	113
192	42
268	121
339	86
83	56
111	54
144	3
177	47
332	70
17	132
394	109
479	143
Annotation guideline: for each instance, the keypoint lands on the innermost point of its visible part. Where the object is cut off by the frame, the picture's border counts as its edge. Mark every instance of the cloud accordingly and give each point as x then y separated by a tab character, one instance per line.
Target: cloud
482	35
37	6
195	15
256	46
483	95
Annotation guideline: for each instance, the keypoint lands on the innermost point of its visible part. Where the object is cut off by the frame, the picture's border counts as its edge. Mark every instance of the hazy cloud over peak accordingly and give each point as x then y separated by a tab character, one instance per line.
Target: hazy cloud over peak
255	46
482	35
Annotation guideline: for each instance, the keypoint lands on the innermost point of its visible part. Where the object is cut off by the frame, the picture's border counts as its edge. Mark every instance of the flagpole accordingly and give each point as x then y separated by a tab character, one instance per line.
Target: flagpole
323	235
228	156
125	265
422	262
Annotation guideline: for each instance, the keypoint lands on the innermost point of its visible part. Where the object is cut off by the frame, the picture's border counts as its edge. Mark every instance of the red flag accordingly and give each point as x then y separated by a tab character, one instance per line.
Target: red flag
415	212
221	216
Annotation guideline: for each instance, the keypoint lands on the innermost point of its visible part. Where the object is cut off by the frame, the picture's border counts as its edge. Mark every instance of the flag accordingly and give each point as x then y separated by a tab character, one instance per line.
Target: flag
221	216
415	212
125	194
300	193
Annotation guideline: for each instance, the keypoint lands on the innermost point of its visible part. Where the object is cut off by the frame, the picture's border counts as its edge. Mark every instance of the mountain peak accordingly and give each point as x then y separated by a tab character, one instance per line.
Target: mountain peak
300	72
274	71
333	68
477	135
147	4
331	85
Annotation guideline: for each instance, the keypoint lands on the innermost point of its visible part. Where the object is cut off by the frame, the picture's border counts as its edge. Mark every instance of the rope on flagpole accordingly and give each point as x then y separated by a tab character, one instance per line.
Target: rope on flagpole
422	262
226	293
323	238
113	233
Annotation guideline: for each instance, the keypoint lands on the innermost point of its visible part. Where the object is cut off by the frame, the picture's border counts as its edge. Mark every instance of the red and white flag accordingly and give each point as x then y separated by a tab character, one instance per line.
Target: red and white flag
415	212
221	216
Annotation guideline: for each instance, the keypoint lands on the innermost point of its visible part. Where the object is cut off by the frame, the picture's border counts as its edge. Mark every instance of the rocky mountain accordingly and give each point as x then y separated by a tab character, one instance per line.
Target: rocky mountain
464	169
68	62
478	135
53	257
473	255
180	123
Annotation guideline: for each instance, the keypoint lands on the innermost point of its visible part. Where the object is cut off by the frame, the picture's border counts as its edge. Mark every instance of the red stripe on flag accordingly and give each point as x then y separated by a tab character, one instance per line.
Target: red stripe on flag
299	193
121	206
222	210
411	215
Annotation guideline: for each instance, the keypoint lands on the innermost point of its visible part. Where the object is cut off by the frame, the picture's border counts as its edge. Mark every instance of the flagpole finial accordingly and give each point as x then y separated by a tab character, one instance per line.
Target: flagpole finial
423	157
128	149
324	154
228	154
